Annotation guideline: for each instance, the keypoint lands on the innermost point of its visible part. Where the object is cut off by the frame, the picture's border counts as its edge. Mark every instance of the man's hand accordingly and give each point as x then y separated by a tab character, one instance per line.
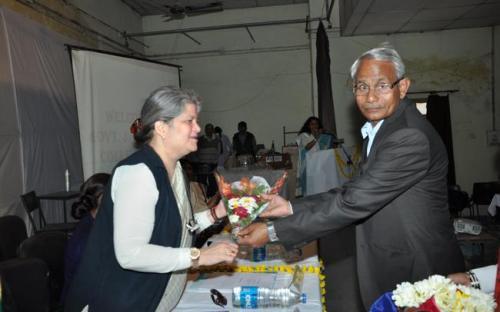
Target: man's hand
460	278
278	207
254	235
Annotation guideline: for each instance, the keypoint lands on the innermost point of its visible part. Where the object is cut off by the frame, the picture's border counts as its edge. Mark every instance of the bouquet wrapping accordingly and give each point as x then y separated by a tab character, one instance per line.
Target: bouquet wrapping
243	200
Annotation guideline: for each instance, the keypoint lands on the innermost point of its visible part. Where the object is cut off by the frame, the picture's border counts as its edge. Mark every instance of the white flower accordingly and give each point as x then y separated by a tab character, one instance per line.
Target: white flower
248	202
233	203
234	218
447	295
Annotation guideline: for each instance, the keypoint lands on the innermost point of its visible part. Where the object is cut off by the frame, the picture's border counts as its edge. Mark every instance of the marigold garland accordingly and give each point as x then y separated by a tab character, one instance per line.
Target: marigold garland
342	164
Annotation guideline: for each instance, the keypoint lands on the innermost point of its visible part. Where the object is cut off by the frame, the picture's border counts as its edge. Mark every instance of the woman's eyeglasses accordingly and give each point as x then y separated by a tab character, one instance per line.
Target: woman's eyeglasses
218	298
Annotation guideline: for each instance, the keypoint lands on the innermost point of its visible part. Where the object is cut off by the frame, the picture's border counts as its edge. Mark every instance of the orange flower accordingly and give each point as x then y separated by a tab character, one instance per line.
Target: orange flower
279	184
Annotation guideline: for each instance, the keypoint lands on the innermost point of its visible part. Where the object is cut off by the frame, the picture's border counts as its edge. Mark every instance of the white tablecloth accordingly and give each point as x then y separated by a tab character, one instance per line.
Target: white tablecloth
196	297
322	172
495	202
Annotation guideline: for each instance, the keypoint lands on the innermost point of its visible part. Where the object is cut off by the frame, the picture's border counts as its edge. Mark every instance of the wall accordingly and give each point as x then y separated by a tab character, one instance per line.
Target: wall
270	83
267	83
276	88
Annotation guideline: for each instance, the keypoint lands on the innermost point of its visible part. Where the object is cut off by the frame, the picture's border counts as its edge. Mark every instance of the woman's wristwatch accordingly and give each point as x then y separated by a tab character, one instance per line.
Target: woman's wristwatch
195	257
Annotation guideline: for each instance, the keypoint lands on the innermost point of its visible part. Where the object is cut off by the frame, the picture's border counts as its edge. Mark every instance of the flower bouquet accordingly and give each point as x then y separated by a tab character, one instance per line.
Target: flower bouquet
435	294
243	200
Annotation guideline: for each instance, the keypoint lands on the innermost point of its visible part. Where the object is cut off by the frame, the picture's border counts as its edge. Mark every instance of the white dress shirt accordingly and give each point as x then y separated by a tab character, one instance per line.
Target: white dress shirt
486	276
368	130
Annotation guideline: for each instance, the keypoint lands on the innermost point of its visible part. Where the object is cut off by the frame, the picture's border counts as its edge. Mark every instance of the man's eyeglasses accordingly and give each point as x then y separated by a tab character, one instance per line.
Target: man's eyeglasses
362	88
218	298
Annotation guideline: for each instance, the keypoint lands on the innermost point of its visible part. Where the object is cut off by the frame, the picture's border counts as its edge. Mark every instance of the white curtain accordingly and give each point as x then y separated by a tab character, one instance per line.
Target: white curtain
39	136
110	91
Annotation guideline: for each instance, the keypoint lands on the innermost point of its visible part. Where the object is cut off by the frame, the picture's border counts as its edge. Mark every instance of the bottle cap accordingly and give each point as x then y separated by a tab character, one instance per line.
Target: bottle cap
303	298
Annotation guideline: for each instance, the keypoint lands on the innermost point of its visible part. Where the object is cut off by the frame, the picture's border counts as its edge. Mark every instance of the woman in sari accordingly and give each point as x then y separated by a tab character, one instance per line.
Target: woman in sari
310	139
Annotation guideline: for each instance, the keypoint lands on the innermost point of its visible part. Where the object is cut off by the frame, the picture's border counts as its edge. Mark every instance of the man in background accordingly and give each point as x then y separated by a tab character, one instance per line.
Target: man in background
209	146
243	141
226	148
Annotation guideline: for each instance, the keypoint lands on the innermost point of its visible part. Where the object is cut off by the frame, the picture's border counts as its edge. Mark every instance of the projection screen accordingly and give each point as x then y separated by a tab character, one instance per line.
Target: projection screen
110	90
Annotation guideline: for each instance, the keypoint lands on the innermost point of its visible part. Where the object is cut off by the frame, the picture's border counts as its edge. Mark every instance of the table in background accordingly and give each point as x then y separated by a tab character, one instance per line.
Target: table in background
62	196
196	296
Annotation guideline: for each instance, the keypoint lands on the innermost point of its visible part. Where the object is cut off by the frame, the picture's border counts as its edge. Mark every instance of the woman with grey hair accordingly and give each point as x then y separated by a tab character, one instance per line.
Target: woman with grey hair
140	246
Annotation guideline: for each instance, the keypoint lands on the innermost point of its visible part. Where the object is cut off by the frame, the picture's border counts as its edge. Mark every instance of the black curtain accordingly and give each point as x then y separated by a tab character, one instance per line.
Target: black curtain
438	113
326	112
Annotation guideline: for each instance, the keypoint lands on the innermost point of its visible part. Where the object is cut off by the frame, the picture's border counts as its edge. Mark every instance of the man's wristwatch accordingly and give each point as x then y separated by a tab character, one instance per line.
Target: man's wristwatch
195	257
271	232
474	281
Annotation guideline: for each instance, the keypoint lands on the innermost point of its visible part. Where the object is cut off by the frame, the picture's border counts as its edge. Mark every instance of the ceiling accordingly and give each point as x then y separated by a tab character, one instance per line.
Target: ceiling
363	17
162	7
357	17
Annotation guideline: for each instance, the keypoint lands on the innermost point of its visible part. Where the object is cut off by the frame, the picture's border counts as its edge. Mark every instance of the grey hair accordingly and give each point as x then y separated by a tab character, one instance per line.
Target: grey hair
382	53
164	104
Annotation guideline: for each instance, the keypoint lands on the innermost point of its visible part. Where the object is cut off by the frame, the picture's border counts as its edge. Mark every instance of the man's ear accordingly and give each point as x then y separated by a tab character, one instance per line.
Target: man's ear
403	86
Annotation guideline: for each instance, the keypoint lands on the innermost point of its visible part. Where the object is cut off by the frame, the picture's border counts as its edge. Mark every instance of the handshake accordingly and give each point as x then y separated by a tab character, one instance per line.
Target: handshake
256	234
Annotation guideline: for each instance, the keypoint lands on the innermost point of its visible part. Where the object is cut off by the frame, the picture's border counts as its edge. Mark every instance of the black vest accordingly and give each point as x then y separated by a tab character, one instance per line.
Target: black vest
100	281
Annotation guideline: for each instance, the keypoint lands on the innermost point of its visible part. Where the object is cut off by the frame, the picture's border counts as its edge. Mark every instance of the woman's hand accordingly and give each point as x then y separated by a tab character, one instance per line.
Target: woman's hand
223	251
218	211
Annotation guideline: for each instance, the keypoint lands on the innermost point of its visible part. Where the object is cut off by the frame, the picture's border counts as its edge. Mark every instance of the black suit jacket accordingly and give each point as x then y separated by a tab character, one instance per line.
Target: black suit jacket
399	206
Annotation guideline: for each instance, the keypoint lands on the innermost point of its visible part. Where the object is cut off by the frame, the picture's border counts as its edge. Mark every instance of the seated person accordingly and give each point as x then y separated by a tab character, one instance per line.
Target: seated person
84	209
200	202
310	139
244	142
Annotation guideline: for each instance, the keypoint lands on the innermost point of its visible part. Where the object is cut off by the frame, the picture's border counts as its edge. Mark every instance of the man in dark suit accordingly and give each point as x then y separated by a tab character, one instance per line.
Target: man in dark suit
398	203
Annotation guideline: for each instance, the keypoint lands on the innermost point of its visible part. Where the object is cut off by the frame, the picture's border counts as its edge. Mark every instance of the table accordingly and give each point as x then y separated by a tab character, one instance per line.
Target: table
62	196
196	296
495	202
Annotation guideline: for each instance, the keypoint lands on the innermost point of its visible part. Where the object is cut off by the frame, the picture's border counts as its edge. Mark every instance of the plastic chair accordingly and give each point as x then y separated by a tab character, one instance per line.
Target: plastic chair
12	233
31	204
482	194
49	247
25	286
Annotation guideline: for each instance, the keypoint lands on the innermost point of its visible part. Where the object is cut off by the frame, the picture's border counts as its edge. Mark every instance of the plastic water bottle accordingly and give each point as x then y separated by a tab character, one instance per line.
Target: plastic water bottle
253	297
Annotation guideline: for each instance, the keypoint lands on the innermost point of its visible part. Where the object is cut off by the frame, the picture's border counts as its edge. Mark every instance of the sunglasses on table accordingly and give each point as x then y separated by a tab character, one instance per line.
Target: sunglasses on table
218	298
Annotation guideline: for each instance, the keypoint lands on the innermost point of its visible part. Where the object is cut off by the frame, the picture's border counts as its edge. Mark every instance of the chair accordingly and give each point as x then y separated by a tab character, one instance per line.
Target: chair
458	200
25	286
12	233
49	247
31	203
482	194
